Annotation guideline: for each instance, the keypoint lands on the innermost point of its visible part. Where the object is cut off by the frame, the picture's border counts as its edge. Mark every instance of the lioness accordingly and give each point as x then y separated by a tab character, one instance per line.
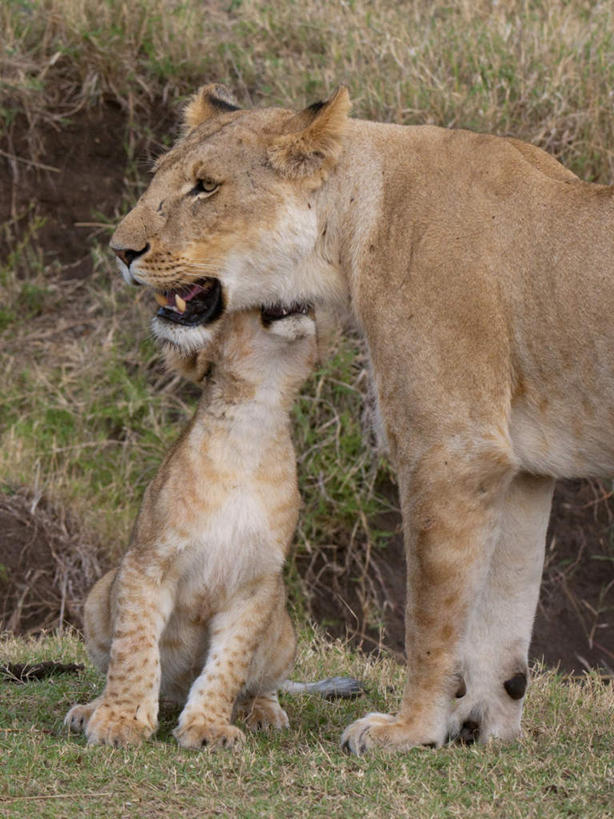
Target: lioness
197	609
482	275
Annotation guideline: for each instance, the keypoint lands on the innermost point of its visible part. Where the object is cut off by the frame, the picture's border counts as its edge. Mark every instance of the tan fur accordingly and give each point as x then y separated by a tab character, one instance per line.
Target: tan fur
482	275
196	609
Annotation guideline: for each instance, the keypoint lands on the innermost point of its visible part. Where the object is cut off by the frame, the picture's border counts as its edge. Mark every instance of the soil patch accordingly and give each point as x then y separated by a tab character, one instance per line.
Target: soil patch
46	565
73	179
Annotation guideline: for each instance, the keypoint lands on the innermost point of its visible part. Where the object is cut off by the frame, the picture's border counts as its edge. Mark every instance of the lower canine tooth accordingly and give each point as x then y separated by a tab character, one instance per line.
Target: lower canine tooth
180	303
161	299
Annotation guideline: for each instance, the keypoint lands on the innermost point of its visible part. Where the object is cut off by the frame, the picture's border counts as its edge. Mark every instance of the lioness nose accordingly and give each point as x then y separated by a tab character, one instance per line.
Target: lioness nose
127	255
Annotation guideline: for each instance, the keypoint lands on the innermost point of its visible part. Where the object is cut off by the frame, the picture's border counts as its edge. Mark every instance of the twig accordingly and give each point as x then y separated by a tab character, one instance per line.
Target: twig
7	799
23	672
31	162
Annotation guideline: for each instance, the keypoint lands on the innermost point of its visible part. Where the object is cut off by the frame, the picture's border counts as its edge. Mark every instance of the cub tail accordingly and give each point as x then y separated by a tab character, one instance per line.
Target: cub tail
332	688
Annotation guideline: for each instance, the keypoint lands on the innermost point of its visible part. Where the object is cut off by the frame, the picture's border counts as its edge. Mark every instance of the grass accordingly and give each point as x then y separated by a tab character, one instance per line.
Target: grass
543	71
562	766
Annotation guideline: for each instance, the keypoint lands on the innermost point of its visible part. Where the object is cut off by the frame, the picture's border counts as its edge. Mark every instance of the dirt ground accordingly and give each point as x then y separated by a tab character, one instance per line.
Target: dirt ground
43	573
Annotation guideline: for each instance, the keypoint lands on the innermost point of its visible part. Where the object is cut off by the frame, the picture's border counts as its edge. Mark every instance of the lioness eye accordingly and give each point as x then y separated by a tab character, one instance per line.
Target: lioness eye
204	186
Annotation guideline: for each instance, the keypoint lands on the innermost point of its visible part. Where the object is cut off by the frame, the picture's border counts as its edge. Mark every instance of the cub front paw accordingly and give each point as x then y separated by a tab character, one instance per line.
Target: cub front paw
266	713
109	725
79	716
384	731
199	733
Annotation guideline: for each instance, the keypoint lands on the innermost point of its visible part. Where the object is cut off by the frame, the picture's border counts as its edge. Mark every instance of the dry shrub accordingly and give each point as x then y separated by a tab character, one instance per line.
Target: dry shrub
540	71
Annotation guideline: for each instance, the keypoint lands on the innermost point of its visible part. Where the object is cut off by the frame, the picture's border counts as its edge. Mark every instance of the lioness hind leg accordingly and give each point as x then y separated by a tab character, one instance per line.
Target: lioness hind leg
494	667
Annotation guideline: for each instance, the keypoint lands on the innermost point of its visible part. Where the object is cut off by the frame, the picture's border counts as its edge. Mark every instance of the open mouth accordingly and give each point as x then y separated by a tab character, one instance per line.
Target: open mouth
192	304
277	312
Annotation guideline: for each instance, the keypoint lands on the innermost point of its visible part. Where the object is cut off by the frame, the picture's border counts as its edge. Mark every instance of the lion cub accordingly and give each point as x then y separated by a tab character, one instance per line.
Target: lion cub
196	611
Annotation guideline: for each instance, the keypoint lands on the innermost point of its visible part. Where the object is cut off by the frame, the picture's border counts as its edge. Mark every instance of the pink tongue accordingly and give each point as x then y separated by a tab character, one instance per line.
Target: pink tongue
196	288
185	295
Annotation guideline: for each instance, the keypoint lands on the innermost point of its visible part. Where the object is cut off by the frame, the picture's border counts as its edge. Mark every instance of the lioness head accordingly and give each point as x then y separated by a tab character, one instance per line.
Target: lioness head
228	221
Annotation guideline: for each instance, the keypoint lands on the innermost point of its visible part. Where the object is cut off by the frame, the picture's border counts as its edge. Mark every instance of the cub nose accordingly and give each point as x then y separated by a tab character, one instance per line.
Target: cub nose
127	255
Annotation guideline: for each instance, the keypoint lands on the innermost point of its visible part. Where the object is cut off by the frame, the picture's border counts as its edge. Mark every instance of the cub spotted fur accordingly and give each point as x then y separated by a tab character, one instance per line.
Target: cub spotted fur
481	273
196	610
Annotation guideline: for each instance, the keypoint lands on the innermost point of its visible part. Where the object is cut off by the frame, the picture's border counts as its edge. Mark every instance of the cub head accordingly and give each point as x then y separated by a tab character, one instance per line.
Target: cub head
229	221
269	352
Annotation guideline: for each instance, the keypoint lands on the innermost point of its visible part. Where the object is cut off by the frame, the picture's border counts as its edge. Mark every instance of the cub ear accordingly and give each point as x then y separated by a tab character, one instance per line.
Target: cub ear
207	102
314	139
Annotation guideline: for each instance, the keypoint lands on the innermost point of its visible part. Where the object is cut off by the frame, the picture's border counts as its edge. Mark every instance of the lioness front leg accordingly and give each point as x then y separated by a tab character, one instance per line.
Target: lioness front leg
451	505
126	712
234	636
493	671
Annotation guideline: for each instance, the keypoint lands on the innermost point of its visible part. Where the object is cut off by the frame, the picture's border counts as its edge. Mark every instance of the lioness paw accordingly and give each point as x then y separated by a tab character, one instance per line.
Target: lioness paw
198	733
384	731
110	726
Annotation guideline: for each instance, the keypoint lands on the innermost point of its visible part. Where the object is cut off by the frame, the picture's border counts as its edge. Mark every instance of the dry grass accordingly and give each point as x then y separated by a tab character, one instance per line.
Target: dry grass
540	71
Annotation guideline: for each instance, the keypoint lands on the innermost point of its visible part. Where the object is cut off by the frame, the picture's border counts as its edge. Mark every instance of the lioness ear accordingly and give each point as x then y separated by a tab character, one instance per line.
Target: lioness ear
207	102
315	137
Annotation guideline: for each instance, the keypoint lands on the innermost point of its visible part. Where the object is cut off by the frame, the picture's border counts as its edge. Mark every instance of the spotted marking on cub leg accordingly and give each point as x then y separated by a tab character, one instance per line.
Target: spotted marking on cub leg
516	686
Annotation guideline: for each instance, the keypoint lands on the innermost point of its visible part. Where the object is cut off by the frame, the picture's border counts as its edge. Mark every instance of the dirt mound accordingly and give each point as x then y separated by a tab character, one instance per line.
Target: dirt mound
45	565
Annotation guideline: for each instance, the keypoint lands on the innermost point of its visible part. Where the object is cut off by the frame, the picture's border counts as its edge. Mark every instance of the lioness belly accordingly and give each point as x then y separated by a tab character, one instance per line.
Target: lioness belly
564	438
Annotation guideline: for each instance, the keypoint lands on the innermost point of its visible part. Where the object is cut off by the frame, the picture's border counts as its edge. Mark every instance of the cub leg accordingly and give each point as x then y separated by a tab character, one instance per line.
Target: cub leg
233	639
494	658
98	627
270	667
451	501
128	708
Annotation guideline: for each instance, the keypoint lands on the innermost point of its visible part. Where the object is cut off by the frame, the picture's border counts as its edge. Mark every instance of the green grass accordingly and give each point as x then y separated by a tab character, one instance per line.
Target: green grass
562	766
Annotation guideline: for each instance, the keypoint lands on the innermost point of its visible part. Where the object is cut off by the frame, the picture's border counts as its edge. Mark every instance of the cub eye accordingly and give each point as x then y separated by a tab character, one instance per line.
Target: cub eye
204	186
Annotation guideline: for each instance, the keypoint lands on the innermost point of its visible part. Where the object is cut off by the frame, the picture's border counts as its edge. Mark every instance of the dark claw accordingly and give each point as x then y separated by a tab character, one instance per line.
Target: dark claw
346	747
362	749
470	732
462	689
516	686
204	743
224	742
429	744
